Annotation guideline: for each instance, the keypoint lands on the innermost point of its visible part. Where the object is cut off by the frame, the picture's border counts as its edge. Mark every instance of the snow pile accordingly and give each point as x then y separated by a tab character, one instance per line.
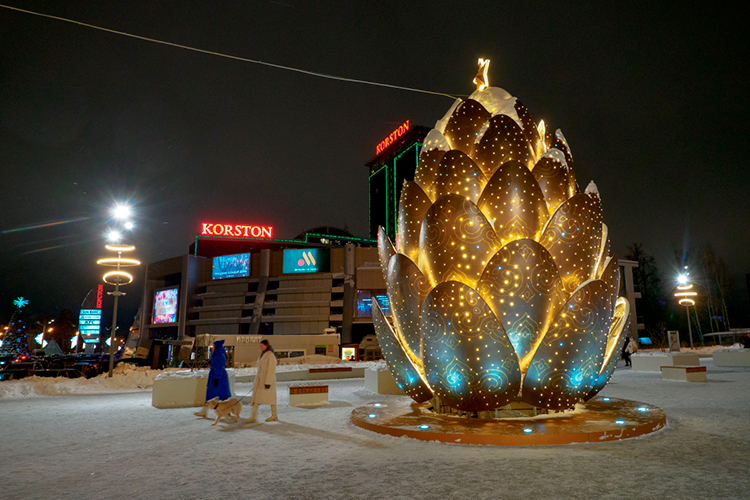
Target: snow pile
125	377
732	348
187	374
241	372
380	366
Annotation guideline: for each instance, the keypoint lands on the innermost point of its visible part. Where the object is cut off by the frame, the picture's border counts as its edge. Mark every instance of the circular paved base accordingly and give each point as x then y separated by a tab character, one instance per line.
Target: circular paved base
598	420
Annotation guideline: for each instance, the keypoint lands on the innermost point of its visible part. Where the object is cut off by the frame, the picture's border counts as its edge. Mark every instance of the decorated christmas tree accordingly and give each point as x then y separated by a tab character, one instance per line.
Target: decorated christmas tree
14	341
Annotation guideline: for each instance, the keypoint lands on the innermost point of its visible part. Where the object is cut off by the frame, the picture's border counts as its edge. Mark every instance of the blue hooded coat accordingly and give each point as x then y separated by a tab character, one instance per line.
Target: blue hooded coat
218	381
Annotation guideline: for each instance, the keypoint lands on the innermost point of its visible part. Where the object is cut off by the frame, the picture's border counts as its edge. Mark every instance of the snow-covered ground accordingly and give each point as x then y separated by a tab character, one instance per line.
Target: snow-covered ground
116	445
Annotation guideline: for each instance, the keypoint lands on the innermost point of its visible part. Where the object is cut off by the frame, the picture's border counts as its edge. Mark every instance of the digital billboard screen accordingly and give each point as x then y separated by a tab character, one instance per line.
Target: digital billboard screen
165	306
364	303
89	324
231	266
312	260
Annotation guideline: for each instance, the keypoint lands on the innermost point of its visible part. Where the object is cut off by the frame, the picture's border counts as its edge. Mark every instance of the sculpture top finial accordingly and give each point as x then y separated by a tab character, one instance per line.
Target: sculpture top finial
481	80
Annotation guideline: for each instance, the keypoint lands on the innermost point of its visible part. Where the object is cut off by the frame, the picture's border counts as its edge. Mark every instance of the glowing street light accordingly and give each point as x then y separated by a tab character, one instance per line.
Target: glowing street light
117	277
685	297
121	211
113	236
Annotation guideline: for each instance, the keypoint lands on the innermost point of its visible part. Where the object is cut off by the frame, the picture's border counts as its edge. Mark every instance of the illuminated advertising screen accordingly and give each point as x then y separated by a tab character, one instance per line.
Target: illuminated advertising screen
231	266
384	303
89	324
311	260
364	303
165	306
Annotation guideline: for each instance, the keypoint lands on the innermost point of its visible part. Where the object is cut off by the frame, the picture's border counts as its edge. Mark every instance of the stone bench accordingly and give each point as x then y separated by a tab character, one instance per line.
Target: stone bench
308	394
686	373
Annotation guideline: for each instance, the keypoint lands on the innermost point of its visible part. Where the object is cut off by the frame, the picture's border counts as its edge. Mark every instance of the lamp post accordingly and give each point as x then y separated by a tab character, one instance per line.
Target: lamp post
117	277
685	294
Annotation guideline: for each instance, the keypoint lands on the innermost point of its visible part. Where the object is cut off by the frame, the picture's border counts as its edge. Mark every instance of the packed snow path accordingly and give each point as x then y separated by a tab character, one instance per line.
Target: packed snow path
119	446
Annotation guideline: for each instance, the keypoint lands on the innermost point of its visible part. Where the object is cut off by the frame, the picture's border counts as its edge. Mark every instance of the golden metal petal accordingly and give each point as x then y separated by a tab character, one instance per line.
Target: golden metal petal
522	286
551	173
530	130
456	241
434	147
412	209
513	203
615	343
458	174
464	124
468	359
407	289
560	143
604	252
573	237
611	277
567	362
404	373
502	142
385	250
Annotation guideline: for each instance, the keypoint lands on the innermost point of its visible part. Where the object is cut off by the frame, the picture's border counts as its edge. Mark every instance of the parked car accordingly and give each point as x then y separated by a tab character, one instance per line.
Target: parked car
21	368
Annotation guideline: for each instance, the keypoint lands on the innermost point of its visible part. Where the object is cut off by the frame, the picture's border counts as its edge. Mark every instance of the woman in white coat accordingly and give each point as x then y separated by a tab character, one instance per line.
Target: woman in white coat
264	387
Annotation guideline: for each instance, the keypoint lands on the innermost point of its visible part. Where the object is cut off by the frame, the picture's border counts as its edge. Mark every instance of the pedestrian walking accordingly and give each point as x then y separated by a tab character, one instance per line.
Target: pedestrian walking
264	387
629	348
218	380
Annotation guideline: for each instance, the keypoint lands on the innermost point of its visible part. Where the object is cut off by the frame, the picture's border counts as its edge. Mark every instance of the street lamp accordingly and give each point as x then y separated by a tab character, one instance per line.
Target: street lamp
684	295
118	277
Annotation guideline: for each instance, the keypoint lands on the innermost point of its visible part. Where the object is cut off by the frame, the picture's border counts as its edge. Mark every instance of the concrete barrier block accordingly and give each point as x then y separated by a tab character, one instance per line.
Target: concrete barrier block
732	357
653	361
183	389
381	382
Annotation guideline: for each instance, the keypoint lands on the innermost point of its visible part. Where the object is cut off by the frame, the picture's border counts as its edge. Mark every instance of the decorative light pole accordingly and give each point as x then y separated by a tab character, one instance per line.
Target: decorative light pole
118	277
685	294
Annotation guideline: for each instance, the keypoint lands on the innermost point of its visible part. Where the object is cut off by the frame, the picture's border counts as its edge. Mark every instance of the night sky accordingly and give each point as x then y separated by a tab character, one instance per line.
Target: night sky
653	100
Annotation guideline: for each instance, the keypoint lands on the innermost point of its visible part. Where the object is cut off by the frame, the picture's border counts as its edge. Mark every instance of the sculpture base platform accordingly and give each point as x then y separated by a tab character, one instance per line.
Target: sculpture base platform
596	421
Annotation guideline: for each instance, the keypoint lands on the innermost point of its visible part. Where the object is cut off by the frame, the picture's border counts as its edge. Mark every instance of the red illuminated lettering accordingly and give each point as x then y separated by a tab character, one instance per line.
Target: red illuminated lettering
391	138
99	294
236	230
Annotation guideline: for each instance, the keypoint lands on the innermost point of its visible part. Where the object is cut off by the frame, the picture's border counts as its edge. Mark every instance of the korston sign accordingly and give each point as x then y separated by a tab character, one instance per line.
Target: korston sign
236	230
401	130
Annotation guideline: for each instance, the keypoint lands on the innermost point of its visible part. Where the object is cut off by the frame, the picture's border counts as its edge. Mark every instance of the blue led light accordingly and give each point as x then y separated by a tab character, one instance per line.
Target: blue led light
620	422
642	408
528	430
605	399
372	415
424	426
377	404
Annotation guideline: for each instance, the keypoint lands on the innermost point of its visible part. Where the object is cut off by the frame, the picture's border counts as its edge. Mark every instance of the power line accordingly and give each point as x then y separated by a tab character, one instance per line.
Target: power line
227	56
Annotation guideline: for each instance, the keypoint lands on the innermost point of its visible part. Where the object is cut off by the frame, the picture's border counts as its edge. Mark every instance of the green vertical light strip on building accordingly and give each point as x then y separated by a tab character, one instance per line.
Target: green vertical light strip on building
369	196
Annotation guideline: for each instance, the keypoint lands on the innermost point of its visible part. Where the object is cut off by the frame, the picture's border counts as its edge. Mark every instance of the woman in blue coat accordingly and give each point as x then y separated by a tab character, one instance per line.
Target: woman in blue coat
218	380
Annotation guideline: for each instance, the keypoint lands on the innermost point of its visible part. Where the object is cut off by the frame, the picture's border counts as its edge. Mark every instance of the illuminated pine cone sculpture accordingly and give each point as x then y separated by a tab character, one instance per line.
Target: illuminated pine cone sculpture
501	283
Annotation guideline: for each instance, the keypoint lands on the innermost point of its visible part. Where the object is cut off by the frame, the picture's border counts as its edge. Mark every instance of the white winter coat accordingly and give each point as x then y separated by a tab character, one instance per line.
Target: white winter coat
266	376
632	346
